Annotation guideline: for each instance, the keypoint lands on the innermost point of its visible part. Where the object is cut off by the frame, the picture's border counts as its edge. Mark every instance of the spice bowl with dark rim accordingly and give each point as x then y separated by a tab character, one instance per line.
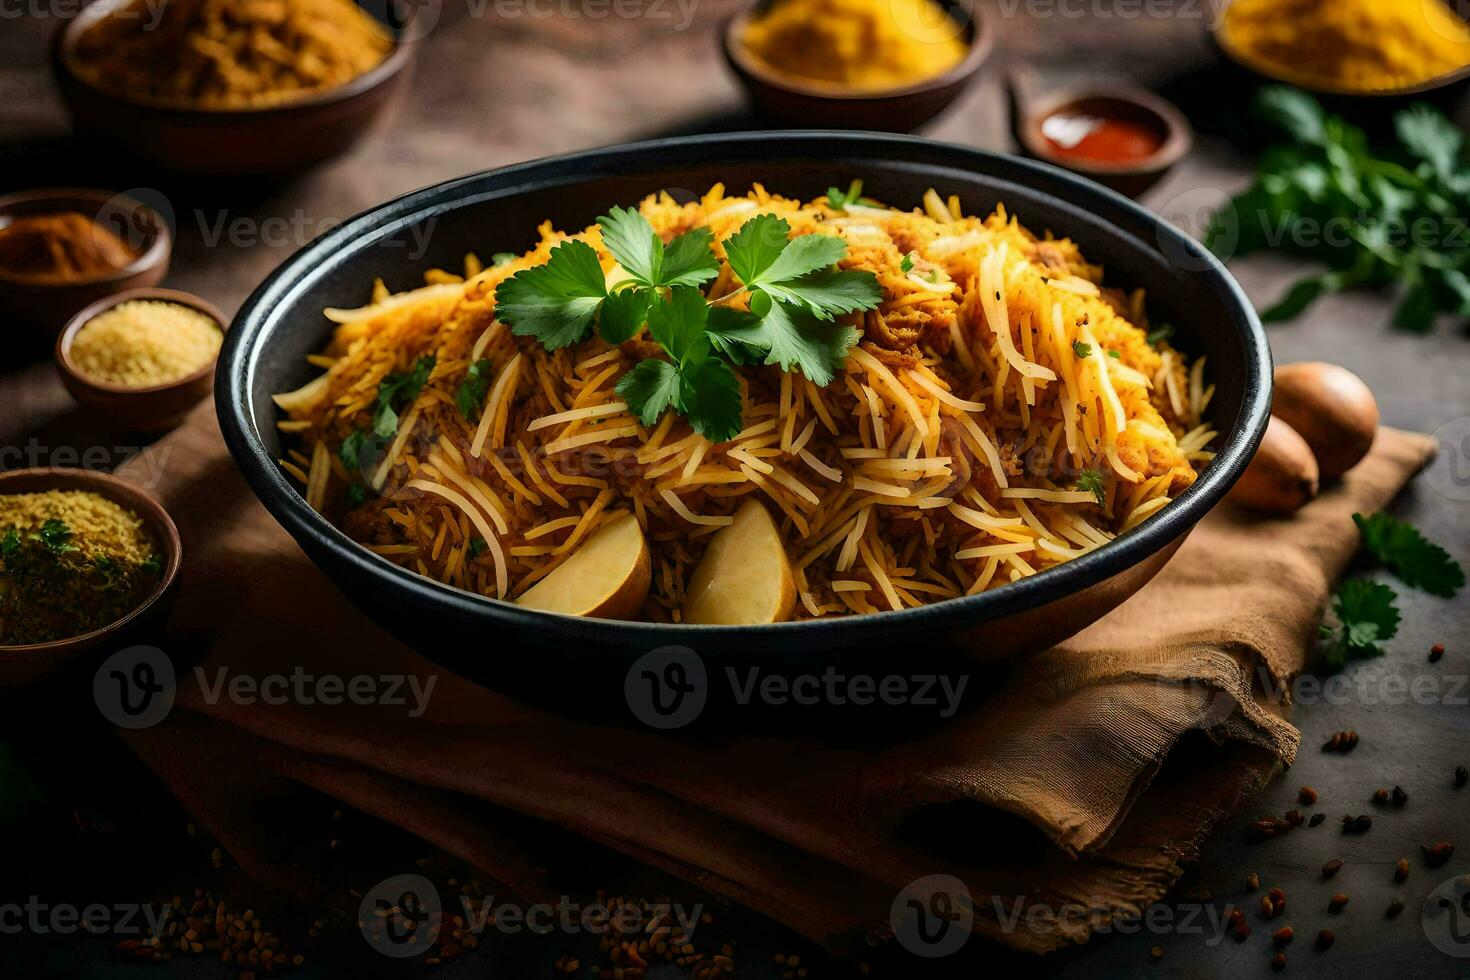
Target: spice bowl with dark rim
1168	133
787	100
258	141
27	663
152	409
48	302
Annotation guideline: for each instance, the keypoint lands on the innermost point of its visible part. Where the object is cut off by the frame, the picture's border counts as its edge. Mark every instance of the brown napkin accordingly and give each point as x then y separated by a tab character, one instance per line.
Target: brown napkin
1054	790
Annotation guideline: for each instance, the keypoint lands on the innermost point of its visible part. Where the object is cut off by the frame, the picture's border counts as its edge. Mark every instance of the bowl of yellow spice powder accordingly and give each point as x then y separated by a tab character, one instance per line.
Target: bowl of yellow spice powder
228	88
856	64
87	562
1358	51
144	357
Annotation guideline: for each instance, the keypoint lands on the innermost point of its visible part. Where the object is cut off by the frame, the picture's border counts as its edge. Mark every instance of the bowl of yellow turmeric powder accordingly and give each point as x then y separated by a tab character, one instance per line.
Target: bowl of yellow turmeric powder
856	64
1362	51
221	88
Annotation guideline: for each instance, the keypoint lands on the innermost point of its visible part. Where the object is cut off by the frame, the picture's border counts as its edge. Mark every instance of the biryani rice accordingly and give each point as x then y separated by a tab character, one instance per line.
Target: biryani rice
944	460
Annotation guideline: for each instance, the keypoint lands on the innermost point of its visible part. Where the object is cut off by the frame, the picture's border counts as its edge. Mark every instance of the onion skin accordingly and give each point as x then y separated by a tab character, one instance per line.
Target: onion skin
1331	408
1282	477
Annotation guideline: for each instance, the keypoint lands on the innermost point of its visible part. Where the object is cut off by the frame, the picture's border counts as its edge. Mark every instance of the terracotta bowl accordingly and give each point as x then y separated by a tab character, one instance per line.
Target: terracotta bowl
144	409
784	99
274	140
31	662
1132	178
48	305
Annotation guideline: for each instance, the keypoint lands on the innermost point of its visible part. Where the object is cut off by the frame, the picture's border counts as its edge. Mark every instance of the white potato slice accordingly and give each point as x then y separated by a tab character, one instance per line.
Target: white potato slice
606	577
745	577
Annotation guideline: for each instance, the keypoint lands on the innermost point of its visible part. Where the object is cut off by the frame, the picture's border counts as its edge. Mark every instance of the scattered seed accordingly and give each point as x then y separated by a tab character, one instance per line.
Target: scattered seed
1436	652
1462	776
1438	854
1317	818
1380	796
1325	938
1394	908
1337	902
1399	797
1278	962
1268	907
1157	952
1252	882
1307	795
1344	741
1294	817
1242	931
1331	868
1282	936
1401	870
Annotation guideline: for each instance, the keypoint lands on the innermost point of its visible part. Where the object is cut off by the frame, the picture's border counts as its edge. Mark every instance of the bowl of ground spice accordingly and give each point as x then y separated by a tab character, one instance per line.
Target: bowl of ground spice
1357	54
223	88
144	357
63	249
87	562
856	64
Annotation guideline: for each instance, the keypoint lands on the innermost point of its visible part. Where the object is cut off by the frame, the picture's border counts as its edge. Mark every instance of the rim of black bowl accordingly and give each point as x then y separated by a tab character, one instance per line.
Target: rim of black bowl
979	43
71	30
241	353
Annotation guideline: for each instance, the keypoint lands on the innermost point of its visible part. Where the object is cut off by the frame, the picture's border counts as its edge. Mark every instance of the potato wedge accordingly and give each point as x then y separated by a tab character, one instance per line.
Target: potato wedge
744	578
606	577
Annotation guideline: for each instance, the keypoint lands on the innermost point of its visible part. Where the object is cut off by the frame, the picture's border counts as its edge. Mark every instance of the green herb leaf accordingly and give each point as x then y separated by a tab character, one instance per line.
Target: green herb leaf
478	546
742	337
677	324
689	260
471	392
1160	334
554	302
56	536
650	388
1294	112
1368	615
1115	355
800	342
1414	558
828	293
1091	481
355	451
397	391
709	395
1430	137
10	544
1083	351
153	565
356	494
838	200
804	255
907	263
624	313
756	246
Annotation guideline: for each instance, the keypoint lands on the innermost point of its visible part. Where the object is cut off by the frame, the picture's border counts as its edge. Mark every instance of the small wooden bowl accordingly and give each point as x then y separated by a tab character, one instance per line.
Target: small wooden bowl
144	409
49	304
272	140
26	663
811	104
1130	178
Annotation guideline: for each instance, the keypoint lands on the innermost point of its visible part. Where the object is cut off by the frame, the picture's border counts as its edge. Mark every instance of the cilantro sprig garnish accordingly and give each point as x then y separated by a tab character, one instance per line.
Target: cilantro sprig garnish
1414	559
395	392
1091	481
56	536
792	286
1367	615
839	200
1081	349
472	390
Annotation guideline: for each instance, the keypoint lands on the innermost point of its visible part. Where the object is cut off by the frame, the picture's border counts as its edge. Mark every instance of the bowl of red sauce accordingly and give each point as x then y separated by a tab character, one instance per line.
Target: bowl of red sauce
1124	138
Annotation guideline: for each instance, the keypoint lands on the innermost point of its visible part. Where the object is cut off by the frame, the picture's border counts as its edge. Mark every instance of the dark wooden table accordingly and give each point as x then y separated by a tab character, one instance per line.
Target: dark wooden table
502	83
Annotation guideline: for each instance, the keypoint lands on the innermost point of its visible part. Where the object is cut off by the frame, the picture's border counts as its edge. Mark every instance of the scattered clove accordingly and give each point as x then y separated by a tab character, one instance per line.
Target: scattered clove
1399	797
1317	819
1341	742
1360	824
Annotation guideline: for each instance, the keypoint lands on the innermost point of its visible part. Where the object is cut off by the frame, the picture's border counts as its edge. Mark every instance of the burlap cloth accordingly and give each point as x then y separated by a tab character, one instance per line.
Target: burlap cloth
1053	790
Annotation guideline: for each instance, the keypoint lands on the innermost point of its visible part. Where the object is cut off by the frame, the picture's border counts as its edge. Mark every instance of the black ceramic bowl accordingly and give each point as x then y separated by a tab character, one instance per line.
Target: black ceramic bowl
503	645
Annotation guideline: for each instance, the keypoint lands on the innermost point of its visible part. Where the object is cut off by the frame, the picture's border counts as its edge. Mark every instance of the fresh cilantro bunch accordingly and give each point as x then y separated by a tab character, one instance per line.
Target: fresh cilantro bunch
1367	612
794	290
1376	218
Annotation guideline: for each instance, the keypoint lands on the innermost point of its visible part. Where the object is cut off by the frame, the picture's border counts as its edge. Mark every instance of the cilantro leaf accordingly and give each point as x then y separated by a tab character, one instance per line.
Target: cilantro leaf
554	302
478	546
651	387
356	494
1294	112
1091	481
677	324
839	201
907	263
1418	561
56	536
356	450
1368	616
689	260
10	544
805	254
756	246
634	243
1159	334
471	393
801	342
829	292
1430	137
1083	351
1116	355
396	391
623	314
709	395
742	337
